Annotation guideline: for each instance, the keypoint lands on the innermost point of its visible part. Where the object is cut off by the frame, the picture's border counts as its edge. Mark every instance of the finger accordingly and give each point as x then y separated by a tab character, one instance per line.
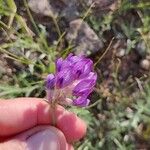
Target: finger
20	114
38	138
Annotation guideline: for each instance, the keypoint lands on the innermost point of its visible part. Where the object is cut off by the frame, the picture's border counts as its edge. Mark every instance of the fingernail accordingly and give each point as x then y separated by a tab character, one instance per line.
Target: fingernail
43	140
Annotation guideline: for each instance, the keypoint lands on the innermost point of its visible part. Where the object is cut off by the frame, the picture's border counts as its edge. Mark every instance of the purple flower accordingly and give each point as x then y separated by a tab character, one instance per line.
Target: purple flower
50	81
73	81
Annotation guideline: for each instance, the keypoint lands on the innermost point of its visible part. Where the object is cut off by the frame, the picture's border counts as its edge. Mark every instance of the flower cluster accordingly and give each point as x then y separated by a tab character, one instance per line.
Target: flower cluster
73	81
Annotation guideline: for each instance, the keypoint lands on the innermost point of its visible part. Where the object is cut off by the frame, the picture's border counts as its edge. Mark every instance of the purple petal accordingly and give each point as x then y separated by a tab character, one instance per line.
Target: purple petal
66	64
81	92
59	63
84	87
73	59
50	81
83	68
88	67
81	101
69	56
92	76
64	78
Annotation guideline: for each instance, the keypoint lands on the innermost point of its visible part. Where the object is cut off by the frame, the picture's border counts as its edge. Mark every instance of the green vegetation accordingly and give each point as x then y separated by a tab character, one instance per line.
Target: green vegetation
119	114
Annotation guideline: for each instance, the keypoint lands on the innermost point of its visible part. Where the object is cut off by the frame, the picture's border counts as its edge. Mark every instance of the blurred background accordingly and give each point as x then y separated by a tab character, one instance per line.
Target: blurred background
115	34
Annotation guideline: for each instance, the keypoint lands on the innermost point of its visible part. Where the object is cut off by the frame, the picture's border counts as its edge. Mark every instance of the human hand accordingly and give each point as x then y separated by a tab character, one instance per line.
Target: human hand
25	124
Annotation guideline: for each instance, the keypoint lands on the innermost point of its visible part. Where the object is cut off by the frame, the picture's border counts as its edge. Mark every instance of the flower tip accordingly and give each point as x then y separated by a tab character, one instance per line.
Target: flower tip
81	102
50	81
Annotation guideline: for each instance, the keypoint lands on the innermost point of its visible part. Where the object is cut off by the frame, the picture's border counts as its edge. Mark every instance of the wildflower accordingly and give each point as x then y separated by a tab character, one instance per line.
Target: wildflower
73	81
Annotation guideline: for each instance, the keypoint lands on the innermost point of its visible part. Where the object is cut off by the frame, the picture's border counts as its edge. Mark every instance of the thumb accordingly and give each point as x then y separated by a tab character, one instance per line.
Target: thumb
38	138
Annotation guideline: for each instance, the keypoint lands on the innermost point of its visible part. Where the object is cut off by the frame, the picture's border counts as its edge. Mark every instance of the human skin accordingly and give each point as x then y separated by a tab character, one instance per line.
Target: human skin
26	124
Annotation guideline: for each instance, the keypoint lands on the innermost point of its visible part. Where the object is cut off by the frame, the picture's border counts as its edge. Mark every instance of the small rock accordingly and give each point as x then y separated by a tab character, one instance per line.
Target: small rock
141	48
9	71
120	47
101	117
70	13
61	8
120	53
128	138
129	110
139	129
42	7
145	64
83	38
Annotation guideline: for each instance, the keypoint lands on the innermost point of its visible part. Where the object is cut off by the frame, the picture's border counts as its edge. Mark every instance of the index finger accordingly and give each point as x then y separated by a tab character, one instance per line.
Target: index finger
20	114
